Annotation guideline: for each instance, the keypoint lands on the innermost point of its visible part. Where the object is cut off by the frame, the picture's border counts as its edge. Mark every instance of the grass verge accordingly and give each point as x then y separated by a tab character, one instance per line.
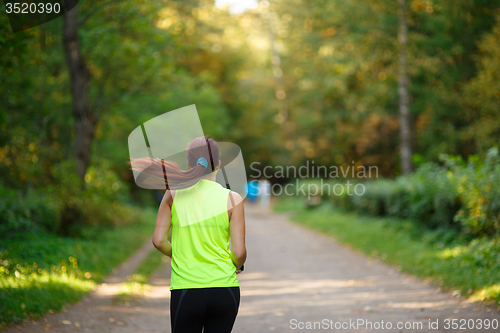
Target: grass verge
43	272
468	268
137	286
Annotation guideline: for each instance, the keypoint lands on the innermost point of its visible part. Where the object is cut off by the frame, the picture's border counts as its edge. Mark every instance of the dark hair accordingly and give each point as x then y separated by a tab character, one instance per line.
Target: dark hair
173	176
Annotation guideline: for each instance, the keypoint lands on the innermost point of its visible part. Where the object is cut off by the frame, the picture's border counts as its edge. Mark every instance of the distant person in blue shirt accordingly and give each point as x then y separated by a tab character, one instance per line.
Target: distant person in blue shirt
252	191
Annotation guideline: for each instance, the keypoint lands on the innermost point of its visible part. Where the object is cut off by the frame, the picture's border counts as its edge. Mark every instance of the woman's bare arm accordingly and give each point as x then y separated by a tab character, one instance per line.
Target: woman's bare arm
163	224
237	229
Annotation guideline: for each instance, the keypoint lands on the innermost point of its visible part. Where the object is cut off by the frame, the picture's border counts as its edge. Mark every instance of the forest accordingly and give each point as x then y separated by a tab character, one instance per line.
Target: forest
411	87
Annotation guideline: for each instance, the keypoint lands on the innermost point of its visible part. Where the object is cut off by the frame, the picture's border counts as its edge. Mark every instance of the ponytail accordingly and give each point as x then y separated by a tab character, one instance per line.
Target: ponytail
168	173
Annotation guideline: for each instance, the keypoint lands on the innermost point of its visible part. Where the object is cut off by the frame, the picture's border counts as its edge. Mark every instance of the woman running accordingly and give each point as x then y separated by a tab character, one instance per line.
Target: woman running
205	293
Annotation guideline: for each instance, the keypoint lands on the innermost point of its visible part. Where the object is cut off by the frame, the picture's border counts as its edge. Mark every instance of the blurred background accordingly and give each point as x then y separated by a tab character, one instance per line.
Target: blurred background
410	87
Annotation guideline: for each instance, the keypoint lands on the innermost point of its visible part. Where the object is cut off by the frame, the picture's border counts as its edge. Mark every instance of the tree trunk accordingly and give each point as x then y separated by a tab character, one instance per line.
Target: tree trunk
79	75
404	112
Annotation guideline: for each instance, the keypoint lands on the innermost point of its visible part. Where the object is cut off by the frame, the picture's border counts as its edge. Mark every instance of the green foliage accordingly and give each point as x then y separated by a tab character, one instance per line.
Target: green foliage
102	201
138	69
24	213
458	195
482	94
373	201
477	185
63	207
340	65
471	269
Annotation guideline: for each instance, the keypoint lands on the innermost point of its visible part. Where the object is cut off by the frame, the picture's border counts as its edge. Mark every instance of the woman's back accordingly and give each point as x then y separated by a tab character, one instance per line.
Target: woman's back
205	292
201	257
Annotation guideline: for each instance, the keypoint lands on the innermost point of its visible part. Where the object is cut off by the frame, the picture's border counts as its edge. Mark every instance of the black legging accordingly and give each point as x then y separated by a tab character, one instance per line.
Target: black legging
212	310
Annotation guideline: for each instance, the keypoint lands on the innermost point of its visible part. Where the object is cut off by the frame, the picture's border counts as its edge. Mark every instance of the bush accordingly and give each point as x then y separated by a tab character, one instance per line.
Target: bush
373	201
461	196
478	185
101	202
432	198
66	207
21	213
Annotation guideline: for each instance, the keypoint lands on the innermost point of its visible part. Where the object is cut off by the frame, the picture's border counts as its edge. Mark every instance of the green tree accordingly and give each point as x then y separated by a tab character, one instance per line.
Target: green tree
483	95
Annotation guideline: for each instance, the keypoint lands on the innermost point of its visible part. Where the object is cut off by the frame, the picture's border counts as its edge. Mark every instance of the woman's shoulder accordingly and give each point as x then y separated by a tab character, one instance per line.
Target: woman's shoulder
169	196
235	195
234	199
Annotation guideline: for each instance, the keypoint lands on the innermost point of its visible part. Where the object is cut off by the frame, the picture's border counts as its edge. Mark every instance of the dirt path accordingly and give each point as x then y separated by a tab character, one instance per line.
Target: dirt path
293	276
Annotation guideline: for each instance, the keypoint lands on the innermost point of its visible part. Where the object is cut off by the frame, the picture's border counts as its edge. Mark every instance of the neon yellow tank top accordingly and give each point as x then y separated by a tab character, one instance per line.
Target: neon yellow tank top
201	257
